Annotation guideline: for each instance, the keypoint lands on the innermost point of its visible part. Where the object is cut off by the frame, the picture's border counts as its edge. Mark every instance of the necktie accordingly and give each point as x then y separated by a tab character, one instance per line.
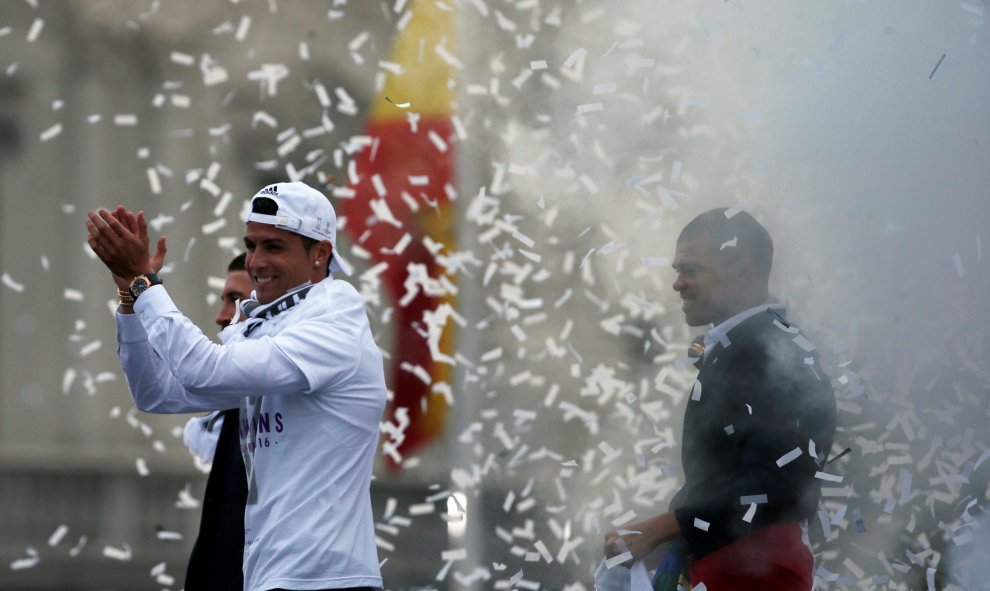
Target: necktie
257	313
696	351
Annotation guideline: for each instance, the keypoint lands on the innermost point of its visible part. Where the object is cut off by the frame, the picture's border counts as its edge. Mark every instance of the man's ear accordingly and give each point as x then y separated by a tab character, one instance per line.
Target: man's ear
325	250
745	267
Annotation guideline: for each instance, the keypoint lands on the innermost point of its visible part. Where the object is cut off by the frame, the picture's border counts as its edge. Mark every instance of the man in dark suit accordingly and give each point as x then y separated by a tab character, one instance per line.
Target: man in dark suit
757	429
218	555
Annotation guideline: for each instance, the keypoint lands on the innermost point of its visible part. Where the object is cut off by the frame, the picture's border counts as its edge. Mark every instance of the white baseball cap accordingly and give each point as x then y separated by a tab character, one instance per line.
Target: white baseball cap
302	210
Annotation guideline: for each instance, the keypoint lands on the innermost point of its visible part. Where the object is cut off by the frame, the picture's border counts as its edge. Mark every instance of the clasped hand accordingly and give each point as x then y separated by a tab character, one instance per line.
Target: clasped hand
120	239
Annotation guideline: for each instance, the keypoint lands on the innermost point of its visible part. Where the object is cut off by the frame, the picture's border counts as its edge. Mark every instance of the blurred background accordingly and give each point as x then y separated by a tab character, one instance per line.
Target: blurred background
510	177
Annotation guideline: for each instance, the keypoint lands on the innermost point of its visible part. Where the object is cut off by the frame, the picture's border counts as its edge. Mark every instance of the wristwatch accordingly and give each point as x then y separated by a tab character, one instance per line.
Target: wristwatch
141	283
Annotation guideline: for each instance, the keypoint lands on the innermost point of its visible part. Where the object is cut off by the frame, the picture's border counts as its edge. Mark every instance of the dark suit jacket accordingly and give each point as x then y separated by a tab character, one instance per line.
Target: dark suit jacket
217	561
762	396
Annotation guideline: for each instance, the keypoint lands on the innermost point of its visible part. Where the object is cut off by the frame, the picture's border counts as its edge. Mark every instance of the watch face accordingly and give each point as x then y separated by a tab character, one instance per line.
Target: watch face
139	285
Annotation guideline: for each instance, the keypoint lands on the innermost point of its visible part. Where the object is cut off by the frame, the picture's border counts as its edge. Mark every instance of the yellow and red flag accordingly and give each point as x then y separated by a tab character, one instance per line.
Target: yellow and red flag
401	197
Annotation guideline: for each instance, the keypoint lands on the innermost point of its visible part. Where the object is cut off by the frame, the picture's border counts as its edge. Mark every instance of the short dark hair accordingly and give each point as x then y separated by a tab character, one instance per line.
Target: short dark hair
238	264
752	240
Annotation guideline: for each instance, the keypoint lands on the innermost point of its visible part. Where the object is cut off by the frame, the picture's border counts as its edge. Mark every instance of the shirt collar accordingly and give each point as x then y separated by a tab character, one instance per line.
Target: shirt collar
720	333
254	293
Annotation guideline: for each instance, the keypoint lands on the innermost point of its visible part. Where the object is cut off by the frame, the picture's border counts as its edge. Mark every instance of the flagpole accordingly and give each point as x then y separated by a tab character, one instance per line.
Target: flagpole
470	176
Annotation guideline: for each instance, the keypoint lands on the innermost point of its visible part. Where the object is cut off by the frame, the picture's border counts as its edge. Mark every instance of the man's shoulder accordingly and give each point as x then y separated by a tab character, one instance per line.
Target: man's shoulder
770	340
339	290
335	302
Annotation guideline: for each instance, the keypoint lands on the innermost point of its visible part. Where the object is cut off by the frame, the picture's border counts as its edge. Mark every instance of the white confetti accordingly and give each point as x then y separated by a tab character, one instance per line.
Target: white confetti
11	284
750	513
183	59
113	553
590	108
90	348
51	133
35	30
618	559
789	457
30	561
58	535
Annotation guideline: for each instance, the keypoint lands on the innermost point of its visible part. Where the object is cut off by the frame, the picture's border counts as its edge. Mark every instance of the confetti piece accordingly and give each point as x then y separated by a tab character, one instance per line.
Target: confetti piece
437	141
121	554
78	548
972	8
958	264
750	513
935	69
733	211
421	509
90	348
9	282
804	343
624	518
30	561
214	226
747	499
696	391
58	535
544	552
789	457
828	477
51	133
35	30
243	27
701	524
183	59
618	559
400	105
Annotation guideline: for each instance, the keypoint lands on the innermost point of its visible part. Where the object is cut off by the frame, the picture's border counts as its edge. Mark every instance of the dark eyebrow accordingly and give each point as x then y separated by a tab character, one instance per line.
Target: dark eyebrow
265	242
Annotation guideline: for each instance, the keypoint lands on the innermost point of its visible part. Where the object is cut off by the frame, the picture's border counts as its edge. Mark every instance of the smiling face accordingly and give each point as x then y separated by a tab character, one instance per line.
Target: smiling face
277	260
237	287
703	282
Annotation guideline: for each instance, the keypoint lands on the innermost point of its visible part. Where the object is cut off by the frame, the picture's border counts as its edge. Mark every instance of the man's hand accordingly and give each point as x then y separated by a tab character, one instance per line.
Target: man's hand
639	539
120	240
139	226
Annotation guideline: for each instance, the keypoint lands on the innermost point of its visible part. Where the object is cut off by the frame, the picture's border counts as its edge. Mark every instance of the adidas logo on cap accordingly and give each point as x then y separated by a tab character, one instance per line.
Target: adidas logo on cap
271	190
